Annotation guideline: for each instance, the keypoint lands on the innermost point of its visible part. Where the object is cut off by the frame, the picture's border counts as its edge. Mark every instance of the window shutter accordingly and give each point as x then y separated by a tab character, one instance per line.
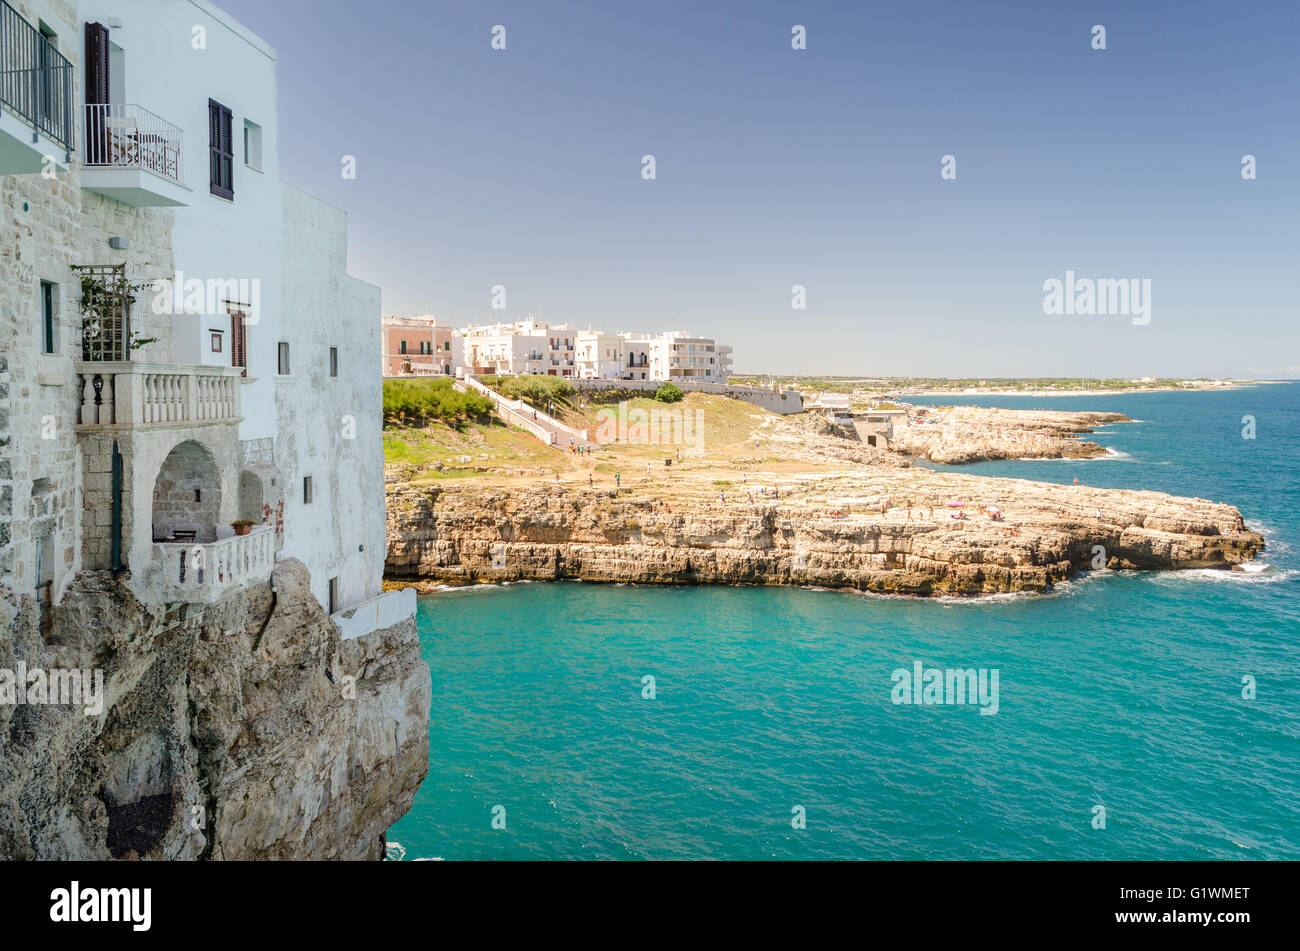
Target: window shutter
238	342
222	150
97	86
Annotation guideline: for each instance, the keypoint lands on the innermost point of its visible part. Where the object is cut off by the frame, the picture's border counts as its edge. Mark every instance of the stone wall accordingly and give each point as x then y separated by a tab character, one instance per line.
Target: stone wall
46	226
187	493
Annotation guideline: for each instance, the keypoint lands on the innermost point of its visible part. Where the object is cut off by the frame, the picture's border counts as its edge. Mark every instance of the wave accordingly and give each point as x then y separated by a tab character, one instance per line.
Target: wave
1066	588
1274	539
476	586
1264	574
394	852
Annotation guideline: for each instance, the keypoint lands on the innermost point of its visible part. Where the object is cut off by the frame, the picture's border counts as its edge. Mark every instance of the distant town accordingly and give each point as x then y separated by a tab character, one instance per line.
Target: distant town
425	346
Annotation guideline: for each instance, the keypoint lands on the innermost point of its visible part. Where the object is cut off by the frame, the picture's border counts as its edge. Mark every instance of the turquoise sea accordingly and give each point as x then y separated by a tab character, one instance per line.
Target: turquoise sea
1118	690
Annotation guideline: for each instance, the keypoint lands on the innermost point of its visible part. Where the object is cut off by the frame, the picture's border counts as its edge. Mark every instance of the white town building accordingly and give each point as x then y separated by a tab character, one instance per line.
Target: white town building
520	348
678	356
532	347
138	142
600	356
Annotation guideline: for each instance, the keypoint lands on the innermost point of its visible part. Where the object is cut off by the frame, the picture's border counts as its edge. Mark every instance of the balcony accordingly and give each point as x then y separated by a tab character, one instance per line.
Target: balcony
142	395
133	156
204	572
36	83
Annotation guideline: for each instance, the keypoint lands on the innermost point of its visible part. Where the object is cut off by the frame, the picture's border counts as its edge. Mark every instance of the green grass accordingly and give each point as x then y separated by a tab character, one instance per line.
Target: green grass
425	447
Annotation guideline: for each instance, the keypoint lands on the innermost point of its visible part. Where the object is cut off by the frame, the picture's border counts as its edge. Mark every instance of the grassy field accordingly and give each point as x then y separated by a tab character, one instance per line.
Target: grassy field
472	450
711	431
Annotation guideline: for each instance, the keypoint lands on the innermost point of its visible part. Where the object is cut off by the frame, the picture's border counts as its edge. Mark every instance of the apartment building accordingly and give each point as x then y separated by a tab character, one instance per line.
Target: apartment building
421	346
181	345
676	356
531	347
521	348
599	356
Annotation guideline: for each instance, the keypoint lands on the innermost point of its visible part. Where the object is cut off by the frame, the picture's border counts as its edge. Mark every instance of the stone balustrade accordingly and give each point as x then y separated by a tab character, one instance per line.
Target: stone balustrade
199	572
156	394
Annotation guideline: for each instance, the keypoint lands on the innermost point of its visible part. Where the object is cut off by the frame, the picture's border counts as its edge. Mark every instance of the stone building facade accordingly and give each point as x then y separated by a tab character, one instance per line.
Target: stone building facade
138	436
258	406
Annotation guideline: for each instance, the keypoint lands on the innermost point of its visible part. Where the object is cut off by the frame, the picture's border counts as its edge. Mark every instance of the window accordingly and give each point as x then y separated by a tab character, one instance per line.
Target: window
334	361
446	345
215	337
47	317
284	358
401	347
334	596
221	151
306	490
253	145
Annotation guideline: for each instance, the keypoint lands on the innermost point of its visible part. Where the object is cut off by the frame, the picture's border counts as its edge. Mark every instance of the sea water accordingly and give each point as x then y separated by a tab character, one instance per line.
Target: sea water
1125	728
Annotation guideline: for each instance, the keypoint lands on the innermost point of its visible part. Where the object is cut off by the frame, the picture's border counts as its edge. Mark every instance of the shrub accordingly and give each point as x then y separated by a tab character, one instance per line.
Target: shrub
669	393
418	402
537	390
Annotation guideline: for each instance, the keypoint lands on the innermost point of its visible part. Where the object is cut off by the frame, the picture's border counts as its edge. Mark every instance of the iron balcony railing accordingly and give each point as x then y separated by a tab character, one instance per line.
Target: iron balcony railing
130	136
36	80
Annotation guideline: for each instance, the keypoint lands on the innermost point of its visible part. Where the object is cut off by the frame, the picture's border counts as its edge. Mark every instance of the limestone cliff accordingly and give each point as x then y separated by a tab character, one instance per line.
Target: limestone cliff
881	529
244	729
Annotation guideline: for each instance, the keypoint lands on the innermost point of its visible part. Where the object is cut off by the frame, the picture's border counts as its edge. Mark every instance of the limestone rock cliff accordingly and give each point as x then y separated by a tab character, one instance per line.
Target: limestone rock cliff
880	530
245	729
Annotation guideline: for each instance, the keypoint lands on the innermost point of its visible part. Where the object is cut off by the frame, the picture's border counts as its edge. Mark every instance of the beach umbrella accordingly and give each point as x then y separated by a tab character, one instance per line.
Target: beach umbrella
956	505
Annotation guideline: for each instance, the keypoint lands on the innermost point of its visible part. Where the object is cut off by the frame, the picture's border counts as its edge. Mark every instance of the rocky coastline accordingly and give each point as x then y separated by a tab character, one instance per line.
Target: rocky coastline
906	531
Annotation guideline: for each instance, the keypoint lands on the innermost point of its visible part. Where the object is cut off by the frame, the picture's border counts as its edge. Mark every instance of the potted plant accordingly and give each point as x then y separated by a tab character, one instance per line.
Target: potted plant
242	526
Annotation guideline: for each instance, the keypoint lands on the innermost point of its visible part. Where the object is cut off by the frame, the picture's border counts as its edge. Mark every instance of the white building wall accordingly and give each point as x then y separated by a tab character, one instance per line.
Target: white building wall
214	239
329	427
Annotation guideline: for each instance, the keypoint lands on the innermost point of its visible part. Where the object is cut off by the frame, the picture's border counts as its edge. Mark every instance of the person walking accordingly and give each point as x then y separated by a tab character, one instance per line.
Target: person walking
618	479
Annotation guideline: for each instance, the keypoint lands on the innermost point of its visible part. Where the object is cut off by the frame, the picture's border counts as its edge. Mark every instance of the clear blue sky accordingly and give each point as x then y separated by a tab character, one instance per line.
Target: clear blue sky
818	167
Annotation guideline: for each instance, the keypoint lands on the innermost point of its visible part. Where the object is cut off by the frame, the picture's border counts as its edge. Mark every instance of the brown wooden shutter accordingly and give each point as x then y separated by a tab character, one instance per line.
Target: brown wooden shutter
238	342
97	85
97	93
222	150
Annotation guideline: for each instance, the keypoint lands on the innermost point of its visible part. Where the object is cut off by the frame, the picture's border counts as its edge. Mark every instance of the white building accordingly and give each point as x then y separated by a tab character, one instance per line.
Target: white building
246	385
678	356
529	346
521	348
600	356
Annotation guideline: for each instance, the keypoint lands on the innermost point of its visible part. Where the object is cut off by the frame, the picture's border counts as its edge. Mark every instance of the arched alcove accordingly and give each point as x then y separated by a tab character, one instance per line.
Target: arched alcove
187	495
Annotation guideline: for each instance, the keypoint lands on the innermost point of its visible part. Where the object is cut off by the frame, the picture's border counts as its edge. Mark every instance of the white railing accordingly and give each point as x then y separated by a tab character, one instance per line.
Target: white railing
156	394
520	414
200	572
129	136
376	614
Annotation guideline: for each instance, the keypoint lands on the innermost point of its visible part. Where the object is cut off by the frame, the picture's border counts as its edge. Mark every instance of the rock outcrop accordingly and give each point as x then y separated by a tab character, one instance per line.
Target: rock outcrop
881	529
244	729
957	435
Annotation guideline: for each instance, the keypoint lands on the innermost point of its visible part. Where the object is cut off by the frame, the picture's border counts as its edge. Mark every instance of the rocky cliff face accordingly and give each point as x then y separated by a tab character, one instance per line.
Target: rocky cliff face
885	530
246	729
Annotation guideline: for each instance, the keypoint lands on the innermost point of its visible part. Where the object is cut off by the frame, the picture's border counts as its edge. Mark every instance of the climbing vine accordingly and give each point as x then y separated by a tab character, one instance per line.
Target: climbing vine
107	297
